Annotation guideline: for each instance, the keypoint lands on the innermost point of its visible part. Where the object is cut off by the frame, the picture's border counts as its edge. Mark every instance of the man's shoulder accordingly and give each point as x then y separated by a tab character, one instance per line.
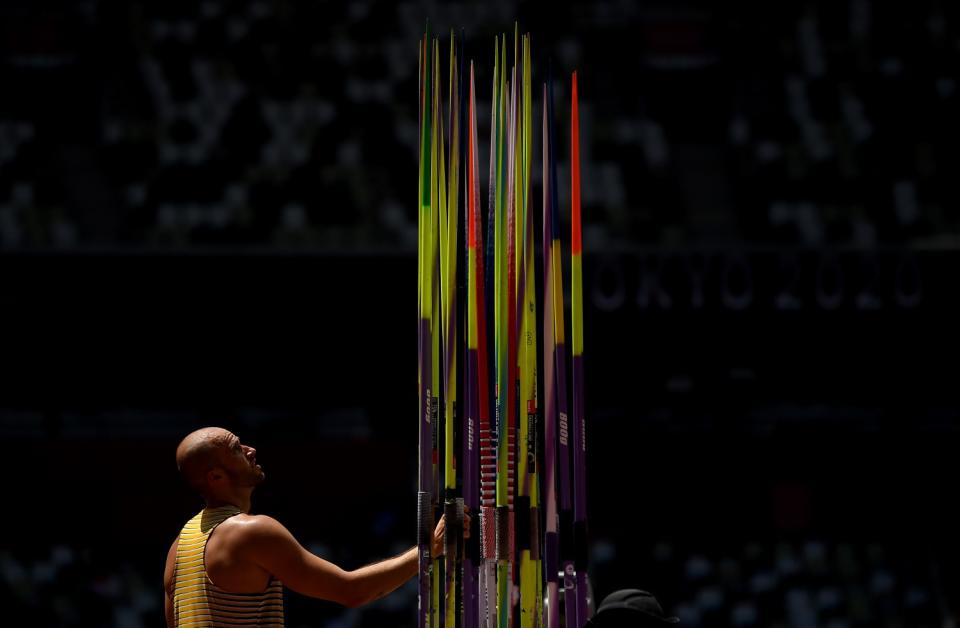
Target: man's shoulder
253	537
251	527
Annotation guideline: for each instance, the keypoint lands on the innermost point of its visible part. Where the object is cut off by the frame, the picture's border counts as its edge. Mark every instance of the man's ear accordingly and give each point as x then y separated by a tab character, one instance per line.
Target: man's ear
215	475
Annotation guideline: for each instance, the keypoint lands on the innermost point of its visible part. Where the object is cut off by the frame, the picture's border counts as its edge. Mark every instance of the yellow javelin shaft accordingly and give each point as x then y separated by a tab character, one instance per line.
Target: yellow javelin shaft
530	585
448	234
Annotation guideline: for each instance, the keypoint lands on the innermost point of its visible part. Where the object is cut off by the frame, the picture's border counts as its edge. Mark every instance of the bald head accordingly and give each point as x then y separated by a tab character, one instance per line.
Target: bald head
199	452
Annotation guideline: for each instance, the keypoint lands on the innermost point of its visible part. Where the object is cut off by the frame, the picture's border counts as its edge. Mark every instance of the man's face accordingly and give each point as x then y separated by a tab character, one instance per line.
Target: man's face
239	461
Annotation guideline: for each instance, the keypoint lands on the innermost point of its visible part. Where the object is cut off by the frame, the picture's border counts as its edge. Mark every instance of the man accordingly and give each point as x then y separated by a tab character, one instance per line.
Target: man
235	575
630	608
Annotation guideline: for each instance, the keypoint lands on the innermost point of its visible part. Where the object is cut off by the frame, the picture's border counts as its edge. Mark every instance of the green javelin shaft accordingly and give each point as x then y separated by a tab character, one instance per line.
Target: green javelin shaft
453	506
501	300
440	353
499	340
521	504
424	297
439	192
511	212
527	489
487	357
511	317
533	450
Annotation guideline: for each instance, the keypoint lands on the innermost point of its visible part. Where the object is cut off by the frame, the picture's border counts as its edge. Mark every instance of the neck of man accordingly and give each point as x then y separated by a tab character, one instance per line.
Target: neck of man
240	501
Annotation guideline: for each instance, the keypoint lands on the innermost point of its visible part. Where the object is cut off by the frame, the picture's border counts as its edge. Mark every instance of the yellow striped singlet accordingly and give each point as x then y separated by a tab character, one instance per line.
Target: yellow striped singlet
198	602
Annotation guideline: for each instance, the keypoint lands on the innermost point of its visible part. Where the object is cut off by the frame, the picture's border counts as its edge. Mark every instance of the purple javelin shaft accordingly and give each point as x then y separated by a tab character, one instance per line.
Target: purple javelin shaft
571	612
471	443
551	545
580	478
579	418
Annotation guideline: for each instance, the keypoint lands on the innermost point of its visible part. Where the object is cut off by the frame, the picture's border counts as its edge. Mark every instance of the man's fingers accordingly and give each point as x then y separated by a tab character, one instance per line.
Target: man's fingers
442	525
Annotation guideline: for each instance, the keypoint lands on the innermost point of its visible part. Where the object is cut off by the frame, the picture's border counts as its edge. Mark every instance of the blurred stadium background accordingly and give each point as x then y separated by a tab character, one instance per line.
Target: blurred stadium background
207	216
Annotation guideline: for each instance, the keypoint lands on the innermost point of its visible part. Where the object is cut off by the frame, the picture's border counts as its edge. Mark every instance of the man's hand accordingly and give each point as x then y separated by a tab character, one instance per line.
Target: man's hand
438	547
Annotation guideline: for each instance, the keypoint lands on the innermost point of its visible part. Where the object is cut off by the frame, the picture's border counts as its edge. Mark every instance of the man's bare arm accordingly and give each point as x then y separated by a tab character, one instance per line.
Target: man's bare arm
380	578
268	544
